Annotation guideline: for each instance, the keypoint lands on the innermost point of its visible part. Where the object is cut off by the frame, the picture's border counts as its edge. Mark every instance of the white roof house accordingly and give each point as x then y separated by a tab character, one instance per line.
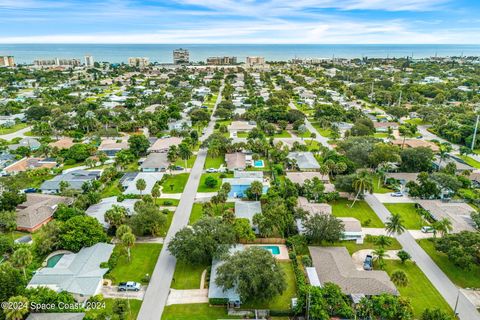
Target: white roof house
305	161
247	209
78	273
150	179
98	210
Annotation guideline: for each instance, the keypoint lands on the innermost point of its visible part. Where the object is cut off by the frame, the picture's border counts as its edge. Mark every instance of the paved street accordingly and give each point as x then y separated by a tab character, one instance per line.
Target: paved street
319	138
466	310
158	289
16	134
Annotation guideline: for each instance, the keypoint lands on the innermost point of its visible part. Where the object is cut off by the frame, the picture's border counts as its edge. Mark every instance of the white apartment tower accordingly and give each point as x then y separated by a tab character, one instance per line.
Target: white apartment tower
89	62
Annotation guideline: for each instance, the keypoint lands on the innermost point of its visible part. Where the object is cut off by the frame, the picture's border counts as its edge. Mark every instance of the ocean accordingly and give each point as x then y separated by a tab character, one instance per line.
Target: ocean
162	53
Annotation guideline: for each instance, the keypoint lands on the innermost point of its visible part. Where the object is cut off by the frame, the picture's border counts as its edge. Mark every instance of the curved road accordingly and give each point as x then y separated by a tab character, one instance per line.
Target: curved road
319	138
465	309
159	287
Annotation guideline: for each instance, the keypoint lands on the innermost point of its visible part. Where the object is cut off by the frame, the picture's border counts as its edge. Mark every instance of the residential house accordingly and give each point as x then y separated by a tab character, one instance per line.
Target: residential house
163	144
305	161
335	265
64	143
30	143
155	162
459	213
242	180
25	164
98	210
112	146
38	210
77	273
352	227
385	126
236	161
10	120
416	143
241	126
246	210
150	179
181	124
74	179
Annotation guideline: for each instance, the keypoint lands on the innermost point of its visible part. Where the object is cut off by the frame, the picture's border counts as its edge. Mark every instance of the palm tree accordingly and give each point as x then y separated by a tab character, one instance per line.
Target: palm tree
444	149
122	230
444	226
379	255
407	130
256	188
399	277
128	240
361	184
141	185
21	259
19	309
184	152
156	192
395	224
383	241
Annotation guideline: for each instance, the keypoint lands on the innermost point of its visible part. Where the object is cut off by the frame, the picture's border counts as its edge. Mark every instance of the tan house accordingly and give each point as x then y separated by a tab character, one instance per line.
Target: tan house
38	210
30	164
64	143
241	126
110	146
236	161
163	144
416	143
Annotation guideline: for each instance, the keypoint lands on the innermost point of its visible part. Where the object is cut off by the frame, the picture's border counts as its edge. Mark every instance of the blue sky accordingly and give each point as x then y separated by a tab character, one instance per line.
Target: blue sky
240	21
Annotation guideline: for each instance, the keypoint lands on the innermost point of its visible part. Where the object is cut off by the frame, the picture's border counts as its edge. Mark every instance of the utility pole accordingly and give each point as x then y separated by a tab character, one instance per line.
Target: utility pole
456	304
475	132
400	99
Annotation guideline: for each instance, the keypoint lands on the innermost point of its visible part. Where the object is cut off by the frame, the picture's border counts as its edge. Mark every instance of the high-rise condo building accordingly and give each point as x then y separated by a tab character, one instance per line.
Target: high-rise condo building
7	61
181	56
140	62
221	60
89	62
255	61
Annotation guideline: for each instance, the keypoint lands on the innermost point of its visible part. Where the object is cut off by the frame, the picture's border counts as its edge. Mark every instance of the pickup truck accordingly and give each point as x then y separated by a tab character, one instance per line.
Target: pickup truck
129	286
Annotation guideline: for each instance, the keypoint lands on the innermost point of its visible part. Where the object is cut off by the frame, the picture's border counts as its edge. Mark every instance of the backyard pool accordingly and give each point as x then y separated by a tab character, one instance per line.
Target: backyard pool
52	261
273	249
258	164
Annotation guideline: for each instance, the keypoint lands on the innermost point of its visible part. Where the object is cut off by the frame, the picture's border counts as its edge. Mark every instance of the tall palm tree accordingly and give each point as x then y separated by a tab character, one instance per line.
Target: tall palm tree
444	226
184	152
383	241
362	183
395	224
407	130
21	258
141	185
128	240
444	149
379	255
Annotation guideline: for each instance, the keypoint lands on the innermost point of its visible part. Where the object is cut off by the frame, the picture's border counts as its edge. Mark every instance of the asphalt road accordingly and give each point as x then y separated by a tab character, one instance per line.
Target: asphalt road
159	287
319	138
17	134
465	309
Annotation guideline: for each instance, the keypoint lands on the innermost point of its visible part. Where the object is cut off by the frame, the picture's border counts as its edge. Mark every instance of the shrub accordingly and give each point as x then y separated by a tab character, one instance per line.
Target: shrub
70	162
167	202
218	301
306	261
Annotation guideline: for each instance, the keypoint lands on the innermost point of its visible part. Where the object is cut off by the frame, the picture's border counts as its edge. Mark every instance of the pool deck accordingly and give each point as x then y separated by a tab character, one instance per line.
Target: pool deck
283	255
44	263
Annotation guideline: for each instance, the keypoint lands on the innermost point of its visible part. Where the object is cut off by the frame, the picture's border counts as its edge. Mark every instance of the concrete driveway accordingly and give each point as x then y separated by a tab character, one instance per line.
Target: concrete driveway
112	292
359	256
187	296
387	198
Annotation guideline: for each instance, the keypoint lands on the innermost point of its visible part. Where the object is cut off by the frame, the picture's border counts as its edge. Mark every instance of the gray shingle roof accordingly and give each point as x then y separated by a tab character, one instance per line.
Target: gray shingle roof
75	179
77	273
334	264
305	160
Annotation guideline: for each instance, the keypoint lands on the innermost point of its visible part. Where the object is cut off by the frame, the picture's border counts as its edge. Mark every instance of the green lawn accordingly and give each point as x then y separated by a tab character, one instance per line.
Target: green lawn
367	244
112	189
190	162
380	135
14	128
196	213
381	188
470	161
361	211
283	134
461	277
203	188
242	134
198	311
419	290
416	121
143	259
412	220
283	301
215	162
306	134
134	309
175	183
187	276
164	230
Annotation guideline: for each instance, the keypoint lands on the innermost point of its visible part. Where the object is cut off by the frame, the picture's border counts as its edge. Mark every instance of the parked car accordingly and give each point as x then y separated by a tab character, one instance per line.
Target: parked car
30	190
368	262
427	229
396	194
178	168
211	170
129	286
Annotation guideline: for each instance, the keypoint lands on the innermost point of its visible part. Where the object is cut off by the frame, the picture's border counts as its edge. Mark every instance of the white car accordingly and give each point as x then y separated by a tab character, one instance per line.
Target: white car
396	194
211	170
427	229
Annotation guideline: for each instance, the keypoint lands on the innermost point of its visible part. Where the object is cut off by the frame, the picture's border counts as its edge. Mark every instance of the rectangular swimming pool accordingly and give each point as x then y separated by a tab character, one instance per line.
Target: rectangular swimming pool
273	249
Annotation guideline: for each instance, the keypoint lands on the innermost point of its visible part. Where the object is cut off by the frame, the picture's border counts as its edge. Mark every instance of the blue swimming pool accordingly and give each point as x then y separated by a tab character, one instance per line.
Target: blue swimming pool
258	163
273	249
52	261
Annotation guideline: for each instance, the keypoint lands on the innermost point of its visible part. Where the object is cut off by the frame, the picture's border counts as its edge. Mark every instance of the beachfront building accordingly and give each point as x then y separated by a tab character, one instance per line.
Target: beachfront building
7	61
140	62
218	61
181	56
